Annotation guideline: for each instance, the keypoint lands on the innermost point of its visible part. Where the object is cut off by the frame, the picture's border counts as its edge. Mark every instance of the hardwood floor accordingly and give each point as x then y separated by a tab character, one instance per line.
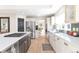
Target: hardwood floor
36	45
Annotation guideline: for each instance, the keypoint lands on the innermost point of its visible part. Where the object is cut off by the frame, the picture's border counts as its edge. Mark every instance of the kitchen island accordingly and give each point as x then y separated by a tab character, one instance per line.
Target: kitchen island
15	43
63	43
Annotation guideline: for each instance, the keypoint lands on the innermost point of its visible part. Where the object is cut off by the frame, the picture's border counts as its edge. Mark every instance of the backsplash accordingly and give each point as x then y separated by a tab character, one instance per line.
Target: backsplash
75	27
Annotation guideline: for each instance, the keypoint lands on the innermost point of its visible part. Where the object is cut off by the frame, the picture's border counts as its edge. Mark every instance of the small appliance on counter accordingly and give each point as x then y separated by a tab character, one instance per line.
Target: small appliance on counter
73	33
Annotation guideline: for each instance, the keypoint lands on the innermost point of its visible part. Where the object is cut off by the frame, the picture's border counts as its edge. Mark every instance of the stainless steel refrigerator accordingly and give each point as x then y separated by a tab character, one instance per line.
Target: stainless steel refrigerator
31	26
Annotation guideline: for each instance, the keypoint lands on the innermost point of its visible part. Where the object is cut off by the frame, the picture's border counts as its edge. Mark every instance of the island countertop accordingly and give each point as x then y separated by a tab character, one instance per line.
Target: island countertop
6	42
74	41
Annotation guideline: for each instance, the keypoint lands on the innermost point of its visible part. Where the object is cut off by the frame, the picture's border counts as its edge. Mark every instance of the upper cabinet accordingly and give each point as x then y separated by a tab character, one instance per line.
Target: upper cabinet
70	14
77	13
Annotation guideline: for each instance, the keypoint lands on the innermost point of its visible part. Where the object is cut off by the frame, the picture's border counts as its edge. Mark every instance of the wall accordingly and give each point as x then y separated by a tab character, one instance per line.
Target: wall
60	18
13	27
48	23
13	20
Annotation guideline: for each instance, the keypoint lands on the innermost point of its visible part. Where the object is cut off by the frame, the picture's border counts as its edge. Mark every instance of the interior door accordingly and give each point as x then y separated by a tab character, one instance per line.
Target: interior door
20	25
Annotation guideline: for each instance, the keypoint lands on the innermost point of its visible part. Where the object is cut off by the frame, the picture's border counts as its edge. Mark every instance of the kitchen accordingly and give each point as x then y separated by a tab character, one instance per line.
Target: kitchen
64	37
26	29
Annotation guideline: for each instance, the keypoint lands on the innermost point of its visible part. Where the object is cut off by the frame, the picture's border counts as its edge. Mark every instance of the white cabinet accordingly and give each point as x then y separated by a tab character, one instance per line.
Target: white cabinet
68	48
70	14
58	45
54	42
61	45
51	38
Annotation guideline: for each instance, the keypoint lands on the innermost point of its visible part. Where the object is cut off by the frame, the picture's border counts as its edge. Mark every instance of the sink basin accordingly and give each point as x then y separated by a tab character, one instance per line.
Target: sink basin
15	35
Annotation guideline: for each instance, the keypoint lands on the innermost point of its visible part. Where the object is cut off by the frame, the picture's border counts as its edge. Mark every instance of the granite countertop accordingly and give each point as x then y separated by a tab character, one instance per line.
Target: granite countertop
6	42
74	41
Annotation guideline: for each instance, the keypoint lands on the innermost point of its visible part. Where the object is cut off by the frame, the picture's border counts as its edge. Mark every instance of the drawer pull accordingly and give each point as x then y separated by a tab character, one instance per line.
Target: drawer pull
77	51
65	44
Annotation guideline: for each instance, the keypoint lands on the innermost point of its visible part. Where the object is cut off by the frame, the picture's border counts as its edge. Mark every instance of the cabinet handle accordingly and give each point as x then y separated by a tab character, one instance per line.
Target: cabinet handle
77	51
65	44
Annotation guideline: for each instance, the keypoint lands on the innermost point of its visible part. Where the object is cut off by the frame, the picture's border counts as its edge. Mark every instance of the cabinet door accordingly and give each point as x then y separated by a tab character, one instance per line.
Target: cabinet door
63	46
67	48
70	15
28	41
25	46
51	39
21	48
58	45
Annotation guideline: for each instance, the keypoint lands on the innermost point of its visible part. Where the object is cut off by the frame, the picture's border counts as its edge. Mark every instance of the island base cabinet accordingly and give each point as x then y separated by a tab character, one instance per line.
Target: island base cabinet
24	44
7	51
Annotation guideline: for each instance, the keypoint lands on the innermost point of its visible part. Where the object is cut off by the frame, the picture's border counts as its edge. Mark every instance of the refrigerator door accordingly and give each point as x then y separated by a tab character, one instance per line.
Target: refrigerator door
30	26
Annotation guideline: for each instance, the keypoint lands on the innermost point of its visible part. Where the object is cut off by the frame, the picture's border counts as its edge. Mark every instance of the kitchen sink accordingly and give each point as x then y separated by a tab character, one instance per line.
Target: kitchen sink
15	35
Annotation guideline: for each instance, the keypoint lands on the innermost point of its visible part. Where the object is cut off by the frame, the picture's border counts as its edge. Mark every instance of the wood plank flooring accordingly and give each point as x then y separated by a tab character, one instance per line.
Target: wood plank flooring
36	45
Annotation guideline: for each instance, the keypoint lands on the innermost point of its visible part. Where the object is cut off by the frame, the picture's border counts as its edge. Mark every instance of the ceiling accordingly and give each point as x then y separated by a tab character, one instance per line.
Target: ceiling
33	7
29	10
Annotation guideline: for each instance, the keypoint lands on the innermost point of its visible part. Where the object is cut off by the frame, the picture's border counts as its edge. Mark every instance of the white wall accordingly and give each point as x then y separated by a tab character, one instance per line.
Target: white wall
53	20
60	19
48	23
13	21
60	16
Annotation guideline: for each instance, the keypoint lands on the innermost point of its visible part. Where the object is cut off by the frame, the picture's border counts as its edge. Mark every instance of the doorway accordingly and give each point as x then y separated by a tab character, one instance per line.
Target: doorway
40	28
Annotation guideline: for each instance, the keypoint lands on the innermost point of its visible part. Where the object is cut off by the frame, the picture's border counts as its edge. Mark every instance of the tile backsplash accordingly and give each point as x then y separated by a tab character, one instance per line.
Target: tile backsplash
75	27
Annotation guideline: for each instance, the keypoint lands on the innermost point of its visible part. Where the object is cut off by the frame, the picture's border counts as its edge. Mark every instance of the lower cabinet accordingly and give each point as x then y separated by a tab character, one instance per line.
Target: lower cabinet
7	51
27	43
51	39
24	44
60	45
68	48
